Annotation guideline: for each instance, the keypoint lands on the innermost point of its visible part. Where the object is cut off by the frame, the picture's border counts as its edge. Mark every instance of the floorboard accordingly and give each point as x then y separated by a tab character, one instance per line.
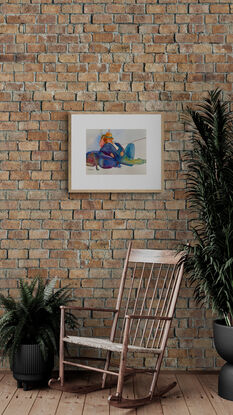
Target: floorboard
128	392
8	388
194	394
195	397
96	402
142	387
173	403
21	402
210	386
72	403
46	402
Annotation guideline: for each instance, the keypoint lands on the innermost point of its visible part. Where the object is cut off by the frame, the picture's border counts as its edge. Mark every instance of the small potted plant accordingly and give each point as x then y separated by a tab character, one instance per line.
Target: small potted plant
29	329
209	263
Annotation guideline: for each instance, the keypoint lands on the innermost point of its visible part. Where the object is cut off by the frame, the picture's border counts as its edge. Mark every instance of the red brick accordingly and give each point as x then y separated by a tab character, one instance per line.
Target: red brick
114	107
38	234
219	8
103	37
8	263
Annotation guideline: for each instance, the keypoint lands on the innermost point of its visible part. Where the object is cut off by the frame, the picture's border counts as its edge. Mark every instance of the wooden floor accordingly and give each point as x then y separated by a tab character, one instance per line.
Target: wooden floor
195	394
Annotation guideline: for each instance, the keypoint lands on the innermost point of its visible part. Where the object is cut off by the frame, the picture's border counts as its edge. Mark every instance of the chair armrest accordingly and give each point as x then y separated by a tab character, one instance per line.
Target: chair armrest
73	307
137	316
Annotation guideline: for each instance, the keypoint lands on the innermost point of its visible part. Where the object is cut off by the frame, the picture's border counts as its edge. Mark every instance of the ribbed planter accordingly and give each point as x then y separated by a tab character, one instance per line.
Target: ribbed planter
29	366
223	340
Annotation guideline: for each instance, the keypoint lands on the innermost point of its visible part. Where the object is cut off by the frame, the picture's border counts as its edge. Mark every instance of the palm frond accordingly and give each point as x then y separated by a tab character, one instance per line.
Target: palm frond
209	193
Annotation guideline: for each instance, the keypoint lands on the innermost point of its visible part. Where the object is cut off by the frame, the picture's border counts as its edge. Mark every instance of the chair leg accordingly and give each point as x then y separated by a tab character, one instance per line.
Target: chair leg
156	375
61	348
121	375
61	369
122	368
154	382
106	366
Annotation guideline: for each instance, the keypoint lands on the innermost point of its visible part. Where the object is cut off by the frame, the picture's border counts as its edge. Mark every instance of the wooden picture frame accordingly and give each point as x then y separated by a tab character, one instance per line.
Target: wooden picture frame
111	152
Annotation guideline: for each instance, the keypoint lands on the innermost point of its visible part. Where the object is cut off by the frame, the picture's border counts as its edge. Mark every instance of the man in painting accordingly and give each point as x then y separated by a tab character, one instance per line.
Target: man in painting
115	150
112	154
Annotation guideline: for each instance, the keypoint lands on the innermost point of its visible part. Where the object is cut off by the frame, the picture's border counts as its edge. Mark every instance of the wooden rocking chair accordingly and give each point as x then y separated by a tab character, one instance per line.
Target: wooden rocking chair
142	318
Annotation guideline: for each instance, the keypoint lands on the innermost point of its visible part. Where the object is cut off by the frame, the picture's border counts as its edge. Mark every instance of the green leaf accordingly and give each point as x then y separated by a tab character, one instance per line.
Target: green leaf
34	317
209	175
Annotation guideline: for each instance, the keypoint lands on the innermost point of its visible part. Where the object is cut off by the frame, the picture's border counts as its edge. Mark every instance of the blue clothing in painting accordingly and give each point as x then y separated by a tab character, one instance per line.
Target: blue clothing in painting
113	155
95	159
113	150
130	151
117	151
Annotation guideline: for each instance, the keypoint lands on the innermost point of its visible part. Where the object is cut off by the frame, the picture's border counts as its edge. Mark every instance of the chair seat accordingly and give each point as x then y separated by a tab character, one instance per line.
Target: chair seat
107	344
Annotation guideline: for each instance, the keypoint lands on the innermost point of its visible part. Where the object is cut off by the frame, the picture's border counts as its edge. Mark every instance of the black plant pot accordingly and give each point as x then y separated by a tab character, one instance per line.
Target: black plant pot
223	340
29	367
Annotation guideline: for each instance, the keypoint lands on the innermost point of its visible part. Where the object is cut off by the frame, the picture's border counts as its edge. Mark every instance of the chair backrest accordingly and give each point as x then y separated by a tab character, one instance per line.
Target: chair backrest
149	287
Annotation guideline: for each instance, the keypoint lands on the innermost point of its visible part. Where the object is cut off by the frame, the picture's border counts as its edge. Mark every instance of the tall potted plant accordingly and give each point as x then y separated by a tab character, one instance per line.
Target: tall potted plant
29	329
209	263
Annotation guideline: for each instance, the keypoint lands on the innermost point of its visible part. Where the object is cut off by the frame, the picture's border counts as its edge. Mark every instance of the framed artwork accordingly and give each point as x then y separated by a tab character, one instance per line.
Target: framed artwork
115	152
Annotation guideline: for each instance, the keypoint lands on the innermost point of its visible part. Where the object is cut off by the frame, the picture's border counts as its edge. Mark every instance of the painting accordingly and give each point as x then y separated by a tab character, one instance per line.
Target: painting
115	152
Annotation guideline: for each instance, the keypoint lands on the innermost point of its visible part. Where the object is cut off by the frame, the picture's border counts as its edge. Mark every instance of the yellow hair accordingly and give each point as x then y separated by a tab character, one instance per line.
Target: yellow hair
107	136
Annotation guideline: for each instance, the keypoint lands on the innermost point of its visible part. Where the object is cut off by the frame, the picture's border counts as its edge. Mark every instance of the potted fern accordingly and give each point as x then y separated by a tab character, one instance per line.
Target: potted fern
29	329
209	263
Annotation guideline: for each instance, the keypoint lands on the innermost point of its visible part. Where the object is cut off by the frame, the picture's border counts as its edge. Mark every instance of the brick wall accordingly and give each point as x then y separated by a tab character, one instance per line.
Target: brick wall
62	56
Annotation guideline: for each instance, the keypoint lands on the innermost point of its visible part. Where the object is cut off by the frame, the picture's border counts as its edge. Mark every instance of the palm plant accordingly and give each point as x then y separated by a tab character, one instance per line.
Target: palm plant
34	318
209	263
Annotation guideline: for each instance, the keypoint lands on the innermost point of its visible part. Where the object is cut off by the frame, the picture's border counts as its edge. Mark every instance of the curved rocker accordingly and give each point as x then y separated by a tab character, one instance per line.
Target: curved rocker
120	402
73	386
